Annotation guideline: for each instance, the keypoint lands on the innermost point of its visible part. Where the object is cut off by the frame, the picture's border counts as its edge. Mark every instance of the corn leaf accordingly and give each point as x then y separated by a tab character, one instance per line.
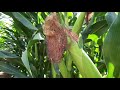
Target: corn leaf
6	67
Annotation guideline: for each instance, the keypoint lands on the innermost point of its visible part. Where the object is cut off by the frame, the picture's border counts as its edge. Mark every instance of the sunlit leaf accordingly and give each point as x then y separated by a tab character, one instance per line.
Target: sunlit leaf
24	21
93	37
26	61
38	36
110	17
98	14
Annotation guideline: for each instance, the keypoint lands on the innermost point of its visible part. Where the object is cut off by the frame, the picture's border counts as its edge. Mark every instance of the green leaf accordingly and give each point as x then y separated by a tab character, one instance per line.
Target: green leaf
69	14
43	15
6	54
38	36
24	21
93	37
63	69
97	14
25	61
72	21
5	67
26	56
31	43
99	28
61	18
34	70
79	22
110	70
110	17
98	25
111	50
54	74
68	61
22	29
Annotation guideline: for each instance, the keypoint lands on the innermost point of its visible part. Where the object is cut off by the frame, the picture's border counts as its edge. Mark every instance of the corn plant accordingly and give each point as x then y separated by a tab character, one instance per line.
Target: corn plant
31	48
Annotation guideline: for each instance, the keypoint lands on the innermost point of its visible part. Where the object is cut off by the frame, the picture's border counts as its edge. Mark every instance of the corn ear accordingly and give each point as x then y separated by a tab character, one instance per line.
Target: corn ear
83	62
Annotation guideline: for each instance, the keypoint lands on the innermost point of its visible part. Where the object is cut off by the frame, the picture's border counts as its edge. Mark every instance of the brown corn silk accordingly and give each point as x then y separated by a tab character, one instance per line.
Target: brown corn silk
56	38
73	36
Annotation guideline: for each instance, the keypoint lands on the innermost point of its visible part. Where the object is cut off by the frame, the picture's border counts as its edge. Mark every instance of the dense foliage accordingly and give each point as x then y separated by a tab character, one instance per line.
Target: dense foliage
23	45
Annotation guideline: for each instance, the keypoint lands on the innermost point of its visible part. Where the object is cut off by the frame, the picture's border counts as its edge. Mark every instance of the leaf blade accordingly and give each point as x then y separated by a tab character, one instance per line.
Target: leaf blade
5	54
11	70
24	21
25	61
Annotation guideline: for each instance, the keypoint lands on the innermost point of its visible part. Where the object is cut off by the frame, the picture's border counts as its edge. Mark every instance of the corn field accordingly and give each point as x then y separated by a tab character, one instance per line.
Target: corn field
59	45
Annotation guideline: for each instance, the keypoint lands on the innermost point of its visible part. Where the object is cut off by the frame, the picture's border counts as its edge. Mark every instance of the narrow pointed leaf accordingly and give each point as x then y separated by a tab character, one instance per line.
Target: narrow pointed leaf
25	61
24	20
99	28
5	54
